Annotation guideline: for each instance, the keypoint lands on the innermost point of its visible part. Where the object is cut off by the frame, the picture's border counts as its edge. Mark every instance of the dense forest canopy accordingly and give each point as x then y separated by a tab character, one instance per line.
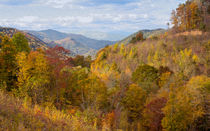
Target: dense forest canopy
156	83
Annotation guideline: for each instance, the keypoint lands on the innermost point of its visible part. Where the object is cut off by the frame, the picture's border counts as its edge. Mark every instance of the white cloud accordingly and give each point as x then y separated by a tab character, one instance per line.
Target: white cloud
28	19
61	3
85	20
25	22
77	15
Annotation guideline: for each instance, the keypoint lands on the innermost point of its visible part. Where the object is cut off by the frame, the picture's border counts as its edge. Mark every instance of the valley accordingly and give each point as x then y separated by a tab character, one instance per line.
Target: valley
155	79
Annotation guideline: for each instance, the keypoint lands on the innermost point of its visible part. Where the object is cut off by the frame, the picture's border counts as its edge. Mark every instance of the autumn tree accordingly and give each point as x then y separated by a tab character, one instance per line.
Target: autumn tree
21	42
75	91
85	89
33	76
139	37
96	93
165	75
185	105
174	19
58	59
8	63
134	101
82	61
8	50
186	62
153	113
187	17
202	85
146	76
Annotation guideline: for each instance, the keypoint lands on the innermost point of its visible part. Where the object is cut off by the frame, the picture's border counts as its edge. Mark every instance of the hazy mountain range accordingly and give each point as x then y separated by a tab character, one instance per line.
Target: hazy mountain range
79	44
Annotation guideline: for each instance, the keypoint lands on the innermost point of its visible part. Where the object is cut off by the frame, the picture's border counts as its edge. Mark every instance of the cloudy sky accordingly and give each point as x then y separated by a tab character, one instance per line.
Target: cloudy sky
100	19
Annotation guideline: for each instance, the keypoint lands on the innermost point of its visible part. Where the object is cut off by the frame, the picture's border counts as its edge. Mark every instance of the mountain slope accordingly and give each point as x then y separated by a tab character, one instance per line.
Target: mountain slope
75	42
48	35
34	42
146	33
69	43
168	51
19	115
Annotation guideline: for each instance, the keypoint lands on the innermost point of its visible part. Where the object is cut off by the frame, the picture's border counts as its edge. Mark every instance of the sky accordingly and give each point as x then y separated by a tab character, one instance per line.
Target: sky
99	19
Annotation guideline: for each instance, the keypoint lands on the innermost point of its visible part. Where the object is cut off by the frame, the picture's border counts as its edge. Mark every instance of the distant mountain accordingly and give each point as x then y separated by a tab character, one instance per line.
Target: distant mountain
146	34
70	43
77	43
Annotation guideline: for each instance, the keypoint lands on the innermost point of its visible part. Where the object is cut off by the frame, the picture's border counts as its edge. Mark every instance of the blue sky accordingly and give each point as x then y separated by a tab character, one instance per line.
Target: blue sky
100	19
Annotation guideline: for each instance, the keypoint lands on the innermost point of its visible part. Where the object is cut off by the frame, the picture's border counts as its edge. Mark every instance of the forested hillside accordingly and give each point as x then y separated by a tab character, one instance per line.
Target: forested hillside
33	42
146	34
149	84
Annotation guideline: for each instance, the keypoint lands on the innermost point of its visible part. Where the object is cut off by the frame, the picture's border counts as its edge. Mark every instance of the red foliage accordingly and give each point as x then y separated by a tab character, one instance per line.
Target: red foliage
155	109
57	58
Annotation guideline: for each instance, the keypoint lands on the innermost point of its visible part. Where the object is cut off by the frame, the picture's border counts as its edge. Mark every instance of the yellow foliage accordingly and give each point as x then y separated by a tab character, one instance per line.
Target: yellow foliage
185	105
164	78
